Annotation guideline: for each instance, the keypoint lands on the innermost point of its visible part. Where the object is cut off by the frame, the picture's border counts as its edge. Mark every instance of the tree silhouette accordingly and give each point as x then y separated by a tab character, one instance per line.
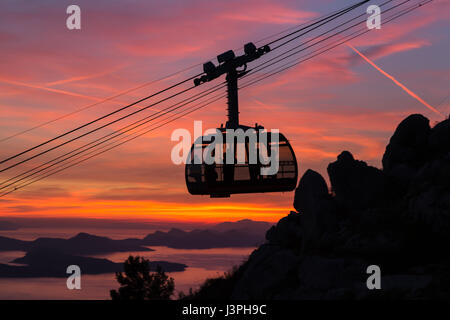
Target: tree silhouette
138	283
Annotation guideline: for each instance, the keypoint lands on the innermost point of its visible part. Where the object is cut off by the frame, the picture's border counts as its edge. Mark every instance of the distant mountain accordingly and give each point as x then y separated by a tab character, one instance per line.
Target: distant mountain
243	233
245	225
9	244
207	239
44	263
82	244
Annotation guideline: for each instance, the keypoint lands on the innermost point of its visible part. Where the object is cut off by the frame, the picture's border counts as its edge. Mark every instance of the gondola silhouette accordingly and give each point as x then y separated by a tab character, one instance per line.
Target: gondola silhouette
223	179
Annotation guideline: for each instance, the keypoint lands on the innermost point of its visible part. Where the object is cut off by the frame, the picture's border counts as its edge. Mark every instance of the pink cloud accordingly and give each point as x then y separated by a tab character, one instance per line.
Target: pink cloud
266	12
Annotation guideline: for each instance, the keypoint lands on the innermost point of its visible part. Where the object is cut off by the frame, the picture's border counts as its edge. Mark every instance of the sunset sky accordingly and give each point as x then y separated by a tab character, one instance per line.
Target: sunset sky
334	102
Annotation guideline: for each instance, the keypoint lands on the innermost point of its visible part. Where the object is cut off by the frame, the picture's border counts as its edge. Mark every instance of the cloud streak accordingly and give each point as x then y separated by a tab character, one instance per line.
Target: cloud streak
64	92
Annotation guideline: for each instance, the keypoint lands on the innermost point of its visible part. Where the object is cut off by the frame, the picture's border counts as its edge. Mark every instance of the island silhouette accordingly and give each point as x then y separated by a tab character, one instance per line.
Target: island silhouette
49	257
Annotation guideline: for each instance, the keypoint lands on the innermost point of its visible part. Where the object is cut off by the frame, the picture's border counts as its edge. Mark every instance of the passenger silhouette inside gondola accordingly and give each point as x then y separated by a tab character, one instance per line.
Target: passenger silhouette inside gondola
196	170
254	171
228	168
211	174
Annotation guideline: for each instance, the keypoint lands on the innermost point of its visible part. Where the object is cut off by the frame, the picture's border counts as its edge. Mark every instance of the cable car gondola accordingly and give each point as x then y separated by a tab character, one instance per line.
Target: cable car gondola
247	174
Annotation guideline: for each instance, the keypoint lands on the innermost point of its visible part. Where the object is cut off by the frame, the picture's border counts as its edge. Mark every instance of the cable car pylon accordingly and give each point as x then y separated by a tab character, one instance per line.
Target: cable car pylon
224	179
229	64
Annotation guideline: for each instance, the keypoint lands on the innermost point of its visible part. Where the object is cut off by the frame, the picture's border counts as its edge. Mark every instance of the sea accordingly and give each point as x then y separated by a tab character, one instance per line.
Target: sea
202	264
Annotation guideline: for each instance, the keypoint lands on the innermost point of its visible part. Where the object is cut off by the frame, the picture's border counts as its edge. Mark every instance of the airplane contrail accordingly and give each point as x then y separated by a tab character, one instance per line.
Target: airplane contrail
85	77
412	94
68	93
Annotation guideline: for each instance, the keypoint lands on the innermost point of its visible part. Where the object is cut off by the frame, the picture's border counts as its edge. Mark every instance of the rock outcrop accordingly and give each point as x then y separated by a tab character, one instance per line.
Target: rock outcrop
355	184
397	218
408	147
